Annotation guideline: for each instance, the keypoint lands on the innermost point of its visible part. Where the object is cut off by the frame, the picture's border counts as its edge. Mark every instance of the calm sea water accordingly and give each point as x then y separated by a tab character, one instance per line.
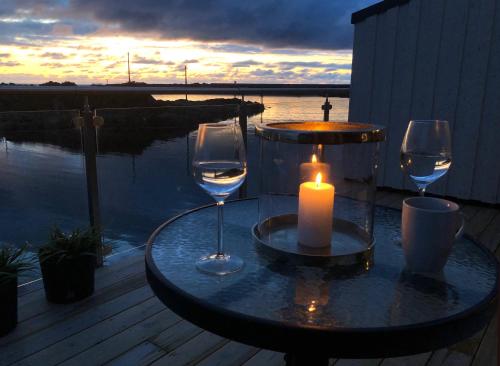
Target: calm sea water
43	184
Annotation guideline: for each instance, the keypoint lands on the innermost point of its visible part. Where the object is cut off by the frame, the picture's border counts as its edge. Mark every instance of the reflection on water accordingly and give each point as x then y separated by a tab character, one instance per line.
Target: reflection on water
42	184
286	108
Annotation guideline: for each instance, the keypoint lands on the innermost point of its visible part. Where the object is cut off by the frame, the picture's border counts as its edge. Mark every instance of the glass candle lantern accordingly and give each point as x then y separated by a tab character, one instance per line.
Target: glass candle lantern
317	191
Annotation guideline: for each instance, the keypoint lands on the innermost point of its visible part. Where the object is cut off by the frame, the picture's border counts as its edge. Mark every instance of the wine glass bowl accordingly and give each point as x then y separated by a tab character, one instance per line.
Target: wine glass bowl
219	179
426	152
220	168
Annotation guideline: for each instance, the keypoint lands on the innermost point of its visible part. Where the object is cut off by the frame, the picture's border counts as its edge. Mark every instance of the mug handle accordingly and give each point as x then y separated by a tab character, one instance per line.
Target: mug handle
460	230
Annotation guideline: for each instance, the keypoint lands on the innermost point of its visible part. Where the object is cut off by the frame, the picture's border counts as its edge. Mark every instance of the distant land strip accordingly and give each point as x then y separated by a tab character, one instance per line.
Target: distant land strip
331	90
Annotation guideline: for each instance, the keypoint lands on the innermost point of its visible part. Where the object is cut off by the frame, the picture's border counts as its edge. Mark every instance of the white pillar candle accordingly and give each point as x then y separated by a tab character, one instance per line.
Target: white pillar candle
315	213
308	171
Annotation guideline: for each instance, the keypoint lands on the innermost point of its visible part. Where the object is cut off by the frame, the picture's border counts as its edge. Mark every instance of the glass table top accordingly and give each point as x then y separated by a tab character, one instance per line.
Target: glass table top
384	295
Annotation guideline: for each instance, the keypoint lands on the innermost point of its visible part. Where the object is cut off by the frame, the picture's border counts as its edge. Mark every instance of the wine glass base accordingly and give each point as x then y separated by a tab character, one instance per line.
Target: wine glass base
219	264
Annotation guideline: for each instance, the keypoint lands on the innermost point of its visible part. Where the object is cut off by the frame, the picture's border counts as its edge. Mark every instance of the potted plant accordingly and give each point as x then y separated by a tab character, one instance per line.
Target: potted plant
12	263
68	264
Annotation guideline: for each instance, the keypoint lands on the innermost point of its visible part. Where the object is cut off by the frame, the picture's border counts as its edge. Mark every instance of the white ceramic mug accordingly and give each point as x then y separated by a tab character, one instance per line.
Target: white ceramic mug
429	228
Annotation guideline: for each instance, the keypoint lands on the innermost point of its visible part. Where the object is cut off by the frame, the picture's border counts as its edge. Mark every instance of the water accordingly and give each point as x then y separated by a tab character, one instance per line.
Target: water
285	108
219	179
424	169
143	178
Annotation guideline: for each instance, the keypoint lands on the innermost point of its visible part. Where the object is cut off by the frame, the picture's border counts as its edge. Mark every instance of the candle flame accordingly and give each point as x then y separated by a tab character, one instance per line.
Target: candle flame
314	159
318	180
312	307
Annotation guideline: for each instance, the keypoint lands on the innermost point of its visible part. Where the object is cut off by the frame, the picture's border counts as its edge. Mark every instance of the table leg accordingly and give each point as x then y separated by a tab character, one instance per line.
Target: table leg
294	359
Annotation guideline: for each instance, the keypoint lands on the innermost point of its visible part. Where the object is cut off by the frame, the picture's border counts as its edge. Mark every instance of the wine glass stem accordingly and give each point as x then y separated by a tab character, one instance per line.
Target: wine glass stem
421	191
220	242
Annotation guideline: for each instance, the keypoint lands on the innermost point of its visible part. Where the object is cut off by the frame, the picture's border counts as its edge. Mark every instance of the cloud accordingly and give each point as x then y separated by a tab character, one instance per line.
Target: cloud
288	65
275	23
258	40
263	72
234	48
9	63
12	32
246	63
241	26
56	55
53	64
33	19
150	61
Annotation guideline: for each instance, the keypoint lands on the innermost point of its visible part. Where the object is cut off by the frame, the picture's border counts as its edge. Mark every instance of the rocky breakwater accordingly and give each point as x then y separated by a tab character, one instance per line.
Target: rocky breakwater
131	122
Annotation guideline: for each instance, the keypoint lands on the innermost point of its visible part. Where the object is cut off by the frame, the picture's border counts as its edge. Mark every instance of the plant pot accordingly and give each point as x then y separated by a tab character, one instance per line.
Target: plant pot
68	280
8	305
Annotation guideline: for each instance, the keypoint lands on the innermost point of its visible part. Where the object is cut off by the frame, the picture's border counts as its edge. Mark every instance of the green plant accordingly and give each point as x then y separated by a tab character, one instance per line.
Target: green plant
62	246
13	261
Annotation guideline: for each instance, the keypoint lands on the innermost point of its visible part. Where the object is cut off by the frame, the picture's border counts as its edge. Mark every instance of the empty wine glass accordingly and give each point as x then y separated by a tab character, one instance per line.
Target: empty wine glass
219	167
426	152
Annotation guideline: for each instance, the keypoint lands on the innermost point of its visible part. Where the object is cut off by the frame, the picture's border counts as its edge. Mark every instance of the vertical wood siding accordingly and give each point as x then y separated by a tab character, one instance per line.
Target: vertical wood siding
434	59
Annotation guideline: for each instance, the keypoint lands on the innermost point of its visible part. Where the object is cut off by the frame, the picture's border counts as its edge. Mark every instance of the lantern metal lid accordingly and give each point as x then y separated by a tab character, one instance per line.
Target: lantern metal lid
326	133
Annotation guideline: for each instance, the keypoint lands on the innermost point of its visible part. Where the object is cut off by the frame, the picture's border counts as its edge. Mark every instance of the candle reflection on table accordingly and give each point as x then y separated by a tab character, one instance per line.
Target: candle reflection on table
310	298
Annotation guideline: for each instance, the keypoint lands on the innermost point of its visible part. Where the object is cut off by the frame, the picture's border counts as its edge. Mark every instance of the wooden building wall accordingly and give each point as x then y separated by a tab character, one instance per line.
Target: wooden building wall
434	59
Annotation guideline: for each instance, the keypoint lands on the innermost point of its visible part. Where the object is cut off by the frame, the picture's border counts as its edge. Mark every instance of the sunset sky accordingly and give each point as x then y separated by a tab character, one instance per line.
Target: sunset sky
86	41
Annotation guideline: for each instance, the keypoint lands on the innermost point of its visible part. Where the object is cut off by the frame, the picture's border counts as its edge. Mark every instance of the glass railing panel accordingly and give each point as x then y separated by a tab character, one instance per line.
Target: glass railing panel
143	165
43	177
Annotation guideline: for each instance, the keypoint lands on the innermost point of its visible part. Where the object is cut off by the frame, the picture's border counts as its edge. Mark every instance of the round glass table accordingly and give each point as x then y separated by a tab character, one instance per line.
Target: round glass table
311	312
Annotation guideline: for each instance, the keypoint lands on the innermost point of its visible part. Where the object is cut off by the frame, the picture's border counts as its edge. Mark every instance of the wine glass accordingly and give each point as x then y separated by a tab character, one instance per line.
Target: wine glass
219	167
426	152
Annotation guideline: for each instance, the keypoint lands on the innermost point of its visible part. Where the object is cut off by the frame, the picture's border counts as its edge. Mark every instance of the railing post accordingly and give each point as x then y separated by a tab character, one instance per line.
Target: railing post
243	119
326	109
243	125
89	149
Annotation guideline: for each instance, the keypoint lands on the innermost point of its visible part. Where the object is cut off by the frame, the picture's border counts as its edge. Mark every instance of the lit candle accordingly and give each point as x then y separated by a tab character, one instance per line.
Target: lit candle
308	170
315	213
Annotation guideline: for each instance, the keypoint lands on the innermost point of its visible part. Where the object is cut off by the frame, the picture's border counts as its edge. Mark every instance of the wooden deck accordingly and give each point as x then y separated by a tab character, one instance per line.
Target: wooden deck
123	323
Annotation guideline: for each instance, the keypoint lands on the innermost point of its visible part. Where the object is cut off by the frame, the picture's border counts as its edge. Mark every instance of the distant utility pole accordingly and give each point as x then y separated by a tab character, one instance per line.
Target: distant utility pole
186	79
128	64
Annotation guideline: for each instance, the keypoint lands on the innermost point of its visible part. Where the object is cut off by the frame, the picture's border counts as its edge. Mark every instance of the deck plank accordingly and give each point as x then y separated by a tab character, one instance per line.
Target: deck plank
175	336
416	360
142	354
447	357
131	336
490	237
469	211
487	351
233	353
36	304
353	362
193	351
28	288
460	354
266	358
165	342
77	341
480	221
28	291
62	313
